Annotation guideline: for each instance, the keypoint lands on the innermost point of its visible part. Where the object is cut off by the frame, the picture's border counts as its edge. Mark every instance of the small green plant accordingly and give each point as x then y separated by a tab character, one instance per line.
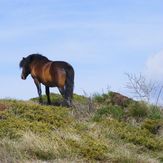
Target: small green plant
79	98
138	110
102	98
98	98
155	112
110	110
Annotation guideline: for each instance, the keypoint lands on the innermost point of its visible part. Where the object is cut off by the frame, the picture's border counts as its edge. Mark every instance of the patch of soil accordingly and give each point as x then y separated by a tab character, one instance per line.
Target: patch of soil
3	107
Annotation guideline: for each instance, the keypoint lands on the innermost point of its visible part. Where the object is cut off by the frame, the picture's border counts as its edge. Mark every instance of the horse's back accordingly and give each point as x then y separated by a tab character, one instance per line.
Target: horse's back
60	71
61	64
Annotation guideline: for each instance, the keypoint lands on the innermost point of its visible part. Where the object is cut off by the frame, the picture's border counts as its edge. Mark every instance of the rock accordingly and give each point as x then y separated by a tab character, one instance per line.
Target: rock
119	99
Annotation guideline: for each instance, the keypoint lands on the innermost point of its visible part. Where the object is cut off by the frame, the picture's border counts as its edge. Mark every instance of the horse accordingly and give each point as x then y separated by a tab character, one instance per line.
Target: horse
58	74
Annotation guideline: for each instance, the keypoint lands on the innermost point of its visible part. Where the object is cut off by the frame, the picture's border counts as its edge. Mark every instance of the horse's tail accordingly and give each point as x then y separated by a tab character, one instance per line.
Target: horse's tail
69	85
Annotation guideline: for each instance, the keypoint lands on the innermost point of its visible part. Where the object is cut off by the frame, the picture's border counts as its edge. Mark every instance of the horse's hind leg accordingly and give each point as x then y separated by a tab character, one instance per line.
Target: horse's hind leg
47	94
62	91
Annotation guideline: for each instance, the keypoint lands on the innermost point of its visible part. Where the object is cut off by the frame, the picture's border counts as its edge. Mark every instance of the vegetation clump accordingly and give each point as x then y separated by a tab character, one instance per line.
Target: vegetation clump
113	98
110	110
23	116
138	110
154	126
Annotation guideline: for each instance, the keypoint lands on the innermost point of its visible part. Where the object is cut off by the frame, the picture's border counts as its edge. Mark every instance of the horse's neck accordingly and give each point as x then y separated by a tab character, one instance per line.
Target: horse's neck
39	63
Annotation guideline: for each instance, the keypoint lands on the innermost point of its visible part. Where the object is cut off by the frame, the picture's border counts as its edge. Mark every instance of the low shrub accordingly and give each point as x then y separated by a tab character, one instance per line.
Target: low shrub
110	110
133	134
155	112
99	98
22	116
88	147
153	125
93	148
137	110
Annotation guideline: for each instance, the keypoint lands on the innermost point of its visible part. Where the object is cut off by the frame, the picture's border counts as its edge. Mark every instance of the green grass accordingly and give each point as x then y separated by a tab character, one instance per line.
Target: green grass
92	130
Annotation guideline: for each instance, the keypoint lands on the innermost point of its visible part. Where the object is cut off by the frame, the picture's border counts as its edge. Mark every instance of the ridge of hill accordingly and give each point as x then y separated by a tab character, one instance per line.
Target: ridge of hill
102	128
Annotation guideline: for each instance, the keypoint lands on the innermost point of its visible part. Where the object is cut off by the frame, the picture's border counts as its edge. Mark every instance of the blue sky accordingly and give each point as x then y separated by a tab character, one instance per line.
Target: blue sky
102	39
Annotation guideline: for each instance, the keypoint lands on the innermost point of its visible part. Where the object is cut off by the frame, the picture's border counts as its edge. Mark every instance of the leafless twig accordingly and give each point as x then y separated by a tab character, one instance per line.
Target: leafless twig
142	88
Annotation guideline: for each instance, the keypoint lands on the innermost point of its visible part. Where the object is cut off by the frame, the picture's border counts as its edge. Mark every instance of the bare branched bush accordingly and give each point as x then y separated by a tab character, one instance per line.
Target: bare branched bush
144	89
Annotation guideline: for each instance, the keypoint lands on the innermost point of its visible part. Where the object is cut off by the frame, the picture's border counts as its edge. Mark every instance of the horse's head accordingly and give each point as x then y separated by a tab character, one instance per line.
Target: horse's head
24	64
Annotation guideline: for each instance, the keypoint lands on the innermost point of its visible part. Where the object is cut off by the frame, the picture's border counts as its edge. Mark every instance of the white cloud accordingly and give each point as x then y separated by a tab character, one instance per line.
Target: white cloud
154	66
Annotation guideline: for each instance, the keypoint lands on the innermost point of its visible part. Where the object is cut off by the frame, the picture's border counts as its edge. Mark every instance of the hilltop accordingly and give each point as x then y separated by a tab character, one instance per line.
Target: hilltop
102	128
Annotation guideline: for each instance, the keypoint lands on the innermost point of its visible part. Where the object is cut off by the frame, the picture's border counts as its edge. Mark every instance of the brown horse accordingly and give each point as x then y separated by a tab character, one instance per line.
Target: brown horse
49	73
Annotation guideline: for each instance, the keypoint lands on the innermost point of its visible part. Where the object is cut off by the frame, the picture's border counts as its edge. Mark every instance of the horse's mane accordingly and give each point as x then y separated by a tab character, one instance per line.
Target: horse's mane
30	58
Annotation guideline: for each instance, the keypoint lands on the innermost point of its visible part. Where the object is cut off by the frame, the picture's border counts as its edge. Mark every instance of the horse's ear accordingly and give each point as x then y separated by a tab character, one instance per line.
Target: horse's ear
23	58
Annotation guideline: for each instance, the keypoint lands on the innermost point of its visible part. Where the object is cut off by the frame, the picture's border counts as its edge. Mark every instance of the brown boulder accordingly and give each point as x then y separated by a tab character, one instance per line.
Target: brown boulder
119	99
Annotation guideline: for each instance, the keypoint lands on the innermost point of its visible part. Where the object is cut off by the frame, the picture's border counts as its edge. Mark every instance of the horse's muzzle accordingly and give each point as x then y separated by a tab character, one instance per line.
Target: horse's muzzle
23	77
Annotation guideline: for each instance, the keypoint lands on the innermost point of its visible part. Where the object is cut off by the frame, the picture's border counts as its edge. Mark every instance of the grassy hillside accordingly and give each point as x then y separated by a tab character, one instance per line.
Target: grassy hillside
104	128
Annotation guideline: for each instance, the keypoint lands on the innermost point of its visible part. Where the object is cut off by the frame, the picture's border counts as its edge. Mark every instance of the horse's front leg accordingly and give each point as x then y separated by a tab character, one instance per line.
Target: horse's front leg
47	94
38	85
